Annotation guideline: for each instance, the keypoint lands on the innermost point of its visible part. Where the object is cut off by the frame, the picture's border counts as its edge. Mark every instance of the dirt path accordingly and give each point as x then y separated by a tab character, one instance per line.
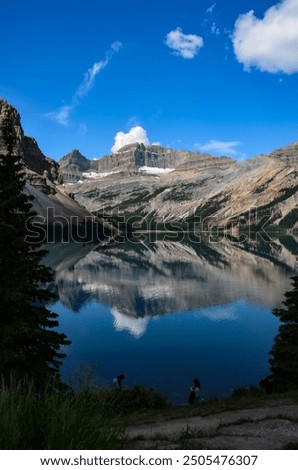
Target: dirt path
258	428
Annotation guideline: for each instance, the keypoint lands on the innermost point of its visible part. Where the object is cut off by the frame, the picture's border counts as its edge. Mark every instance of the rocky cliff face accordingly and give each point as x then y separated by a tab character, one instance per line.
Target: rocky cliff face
135	158
153	187
44	180
163	186
73	165
288	154
27	147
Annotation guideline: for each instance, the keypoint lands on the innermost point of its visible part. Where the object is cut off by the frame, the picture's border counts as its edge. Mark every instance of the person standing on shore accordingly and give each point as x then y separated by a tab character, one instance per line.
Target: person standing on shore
117	382
194	392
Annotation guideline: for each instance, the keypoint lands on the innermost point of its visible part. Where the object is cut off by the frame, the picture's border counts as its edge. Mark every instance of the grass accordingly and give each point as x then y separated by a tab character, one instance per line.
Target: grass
190	440
89	418
54	420
95	418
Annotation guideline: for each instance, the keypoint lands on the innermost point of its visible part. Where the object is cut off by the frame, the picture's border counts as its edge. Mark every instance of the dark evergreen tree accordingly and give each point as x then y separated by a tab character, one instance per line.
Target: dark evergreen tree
29	343
284	361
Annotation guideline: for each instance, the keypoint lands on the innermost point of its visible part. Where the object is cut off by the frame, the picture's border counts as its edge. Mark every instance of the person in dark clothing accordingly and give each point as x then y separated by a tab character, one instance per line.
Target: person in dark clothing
194	392
117	381
266	384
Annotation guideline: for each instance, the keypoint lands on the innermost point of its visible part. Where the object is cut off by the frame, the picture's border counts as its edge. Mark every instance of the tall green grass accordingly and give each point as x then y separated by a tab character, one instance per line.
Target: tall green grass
54	420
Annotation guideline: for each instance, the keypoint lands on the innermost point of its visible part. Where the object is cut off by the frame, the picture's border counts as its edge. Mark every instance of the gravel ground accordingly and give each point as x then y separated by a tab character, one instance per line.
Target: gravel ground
262	428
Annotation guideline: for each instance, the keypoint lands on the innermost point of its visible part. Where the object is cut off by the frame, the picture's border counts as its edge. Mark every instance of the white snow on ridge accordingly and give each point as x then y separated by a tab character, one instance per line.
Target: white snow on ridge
152	170
95	174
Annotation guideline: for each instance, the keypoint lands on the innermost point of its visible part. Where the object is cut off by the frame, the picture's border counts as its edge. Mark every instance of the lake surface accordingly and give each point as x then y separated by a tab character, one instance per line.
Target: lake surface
164	313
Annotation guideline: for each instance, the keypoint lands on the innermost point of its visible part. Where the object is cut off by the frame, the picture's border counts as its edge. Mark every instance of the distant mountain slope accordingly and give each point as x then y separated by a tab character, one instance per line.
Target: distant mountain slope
164	186
134	159
156	186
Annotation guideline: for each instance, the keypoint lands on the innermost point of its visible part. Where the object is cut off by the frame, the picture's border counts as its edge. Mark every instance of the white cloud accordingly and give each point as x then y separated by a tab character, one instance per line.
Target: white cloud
269	44
115	46
214	29
136	134
210	9
184	45
89	79
63	114
219	147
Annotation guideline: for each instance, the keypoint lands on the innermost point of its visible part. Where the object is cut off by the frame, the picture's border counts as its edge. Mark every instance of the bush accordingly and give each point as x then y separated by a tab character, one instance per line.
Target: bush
128	400
246	391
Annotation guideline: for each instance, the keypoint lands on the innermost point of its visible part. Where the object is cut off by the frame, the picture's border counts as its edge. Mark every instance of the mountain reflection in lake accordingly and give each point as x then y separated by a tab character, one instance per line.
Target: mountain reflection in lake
164	313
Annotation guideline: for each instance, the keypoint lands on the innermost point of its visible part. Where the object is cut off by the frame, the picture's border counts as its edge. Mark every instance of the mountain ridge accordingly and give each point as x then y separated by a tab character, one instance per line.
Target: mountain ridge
130	158
158	186
165	185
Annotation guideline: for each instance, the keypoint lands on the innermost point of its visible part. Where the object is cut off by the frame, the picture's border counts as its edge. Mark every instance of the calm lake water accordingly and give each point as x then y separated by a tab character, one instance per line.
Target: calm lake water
164	313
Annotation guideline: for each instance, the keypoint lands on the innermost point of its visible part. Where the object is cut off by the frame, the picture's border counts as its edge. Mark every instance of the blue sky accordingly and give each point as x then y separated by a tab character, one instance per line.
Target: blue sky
194	74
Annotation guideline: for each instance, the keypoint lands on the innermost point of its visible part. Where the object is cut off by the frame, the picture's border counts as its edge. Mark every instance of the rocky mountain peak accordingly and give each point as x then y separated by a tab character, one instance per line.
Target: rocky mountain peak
5	110
73	156
43	178
131	147
72	165
38	167
166	184
134	159
175	185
